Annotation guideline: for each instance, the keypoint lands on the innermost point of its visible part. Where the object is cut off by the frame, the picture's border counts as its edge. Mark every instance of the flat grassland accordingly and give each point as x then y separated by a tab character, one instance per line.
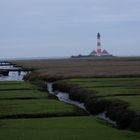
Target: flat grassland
62	128
119	77
16	105
89	67
17	102
111	78
126	89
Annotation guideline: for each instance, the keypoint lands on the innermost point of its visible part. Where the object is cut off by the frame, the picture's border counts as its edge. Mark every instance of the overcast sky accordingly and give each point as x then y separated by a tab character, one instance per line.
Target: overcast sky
57	28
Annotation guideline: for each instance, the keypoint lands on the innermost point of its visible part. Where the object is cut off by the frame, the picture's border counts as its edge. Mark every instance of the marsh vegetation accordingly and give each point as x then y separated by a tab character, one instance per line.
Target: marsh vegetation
103	85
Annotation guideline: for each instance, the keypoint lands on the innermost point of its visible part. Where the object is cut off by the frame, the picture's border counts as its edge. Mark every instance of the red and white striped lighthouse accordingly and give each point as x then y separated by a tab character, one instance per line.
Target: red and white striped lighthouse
99	50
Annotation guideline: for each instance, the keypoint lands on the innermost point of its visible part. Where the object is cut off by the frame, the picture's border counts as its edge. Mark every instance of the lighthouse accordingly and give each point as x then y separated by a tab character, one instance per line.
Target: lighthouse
99	51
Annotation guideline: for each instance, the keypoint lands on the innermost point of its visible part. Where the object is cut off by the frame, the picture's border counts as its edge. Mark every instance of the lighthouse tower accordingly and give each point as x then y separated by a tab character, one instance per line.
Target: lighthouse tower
99	50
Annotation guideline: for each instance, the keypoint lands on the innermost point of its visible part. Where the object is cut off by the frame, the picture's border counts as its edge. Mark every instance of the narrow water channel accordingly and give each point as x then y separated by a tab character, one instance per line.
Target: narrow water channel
65	98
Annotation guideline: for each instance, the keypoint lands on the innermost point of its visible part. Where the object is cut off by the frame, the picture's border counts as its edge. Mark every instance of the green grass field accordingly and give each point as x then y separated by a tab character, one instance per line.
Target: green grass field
134	101
12	94
15	86
127	89
14	101
42	106
64	128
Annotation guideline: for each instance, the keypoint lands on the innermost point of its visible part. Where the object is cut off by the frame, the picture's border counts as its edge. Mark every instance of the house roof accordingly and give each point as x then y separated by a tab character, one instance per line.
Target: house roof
93	52
104	52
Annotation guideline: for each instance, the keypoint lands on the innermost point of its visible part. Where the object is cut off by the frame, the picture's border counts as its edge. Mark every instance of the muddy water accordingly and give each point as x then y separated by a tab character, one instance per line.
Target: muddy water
13	75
